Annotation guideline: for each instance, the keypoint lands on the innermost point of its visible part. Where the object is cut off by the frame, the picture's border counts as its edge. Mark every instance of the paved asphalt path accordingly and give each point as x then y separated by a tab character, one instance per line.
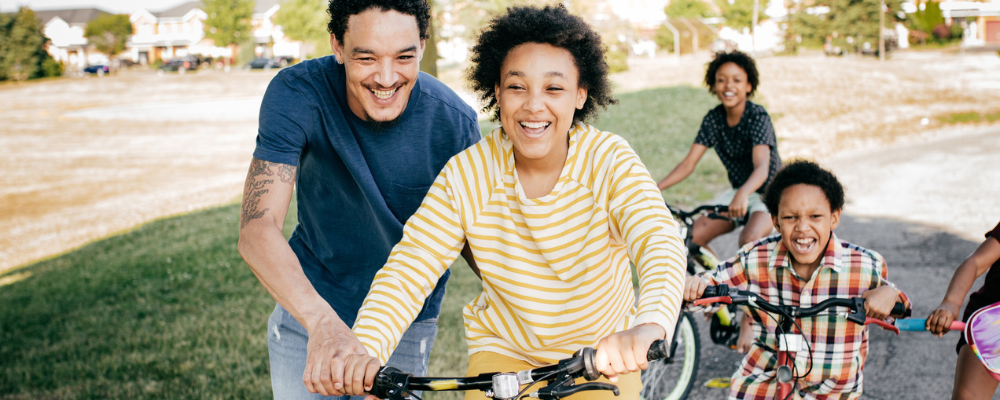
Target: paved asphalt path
921	256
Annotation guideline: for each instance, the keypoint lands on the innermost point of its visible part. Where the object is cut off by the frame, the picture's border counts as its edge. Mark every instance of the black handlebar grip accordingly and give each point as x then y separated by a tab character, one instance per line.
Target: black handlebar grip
716	291
900	309
657	350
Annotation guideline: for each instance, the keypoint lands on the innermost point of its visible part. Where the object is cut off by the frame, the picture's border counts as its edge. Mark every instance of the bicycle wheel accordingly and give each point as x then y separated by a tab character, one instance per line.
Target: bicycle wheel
673	379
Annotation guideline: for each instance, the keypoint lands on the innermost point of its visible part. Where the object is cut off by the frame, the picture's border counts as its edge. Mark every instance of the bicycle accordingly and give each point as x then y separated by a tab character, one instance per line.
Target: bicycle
672	378
393	384
790	343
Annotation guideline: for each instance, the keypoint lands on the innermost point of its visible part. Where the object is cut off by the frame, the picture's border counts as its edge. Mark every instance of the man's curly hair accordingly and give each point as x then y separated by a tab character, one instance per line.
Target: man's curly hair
804	172
341	10
741	60
552	25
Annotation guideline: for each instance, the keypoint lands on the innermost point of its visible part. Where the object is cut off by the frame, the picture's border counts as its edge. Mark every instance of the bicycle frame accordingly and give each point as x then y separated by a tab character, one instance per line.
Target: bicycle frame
790	344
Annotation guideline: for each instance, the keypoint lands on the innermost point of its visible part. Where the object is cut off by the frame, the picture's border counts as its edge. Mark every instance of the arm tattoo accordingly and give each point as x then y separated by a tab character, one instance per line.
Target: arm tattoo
257	185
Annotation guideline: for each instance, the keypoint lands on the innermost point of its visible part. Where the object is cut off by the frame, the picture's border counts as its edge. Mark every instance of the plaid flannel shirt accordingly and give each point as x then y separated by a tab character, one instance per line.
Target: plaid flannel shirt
839	347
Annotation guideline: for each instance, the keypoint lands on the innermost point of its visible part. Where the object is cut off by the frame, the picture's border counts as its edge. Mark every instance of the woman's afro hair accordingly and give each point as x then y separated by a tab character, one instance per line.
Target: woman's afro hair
804	172
741	60
552	25
342	10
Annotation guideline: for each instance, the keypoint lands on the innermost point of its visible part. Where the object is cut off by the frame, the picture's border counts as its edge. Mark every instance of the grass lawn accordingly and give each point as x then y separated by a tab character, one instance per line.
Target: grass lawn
169	310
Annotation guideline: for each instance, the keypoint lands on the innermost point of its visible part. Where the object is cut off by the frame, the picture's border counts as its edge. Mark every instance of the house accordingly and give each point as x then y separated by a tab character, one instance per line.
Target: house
176	32
65	29
981	20
180	31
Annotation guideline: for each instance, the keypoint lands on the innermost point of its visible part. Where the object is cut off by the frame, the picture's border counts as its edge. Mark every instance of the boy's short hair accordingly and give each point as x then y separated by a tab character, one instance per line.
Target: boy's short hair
742	60
552	25
342	10
804	172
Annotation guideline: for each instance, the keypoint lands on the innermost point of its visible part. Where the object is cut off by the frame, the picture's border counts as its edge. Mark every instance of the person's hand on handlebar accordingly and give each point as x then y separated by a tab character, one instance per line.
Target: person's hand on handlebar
330	343
738	207
939	322
879	301
625	351
359	375
694	288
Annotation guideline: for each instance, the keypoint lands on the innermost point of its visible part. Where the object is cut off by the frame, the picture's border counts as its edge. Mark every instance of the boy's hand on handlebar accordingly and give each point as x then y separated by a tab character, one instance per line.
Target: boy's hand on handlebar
940	320
359	374
625	351
879	301
694	288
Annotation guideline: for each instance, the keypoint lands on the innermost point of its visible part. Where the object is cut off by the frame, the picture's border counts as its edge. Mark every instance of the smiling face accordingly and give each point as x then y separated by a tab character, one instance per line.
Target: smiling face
537	95
805	222
381	54
731	85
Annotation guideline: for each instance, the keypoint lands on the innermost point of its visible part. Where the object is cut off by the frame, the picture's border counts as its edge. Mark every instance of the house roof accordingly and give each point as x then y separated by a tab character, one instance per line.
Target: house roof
179	11
71	16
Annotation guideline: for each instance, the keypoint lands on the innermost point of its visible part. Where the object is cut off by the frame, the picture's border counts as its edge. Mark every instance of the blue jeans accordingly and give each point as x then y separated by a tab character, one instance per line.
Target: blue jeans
286	345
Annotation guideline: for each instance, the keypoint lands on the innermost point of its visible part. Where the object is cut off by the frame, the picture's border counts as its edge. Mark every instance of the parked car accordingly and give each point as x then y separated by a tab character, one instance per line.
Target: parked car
98	69
179	65
268	63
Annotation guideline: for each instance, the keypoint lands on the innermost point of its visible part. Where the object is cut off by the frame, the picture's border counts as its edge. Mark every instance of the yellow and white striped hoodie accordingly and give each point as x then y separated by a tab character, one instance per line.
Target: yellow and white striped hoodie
555	269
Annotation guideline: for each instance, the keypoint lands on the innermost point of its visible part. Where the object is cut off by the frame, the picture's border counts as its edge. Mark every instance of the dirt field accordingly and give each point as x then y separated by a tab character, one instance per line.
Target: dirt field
85	158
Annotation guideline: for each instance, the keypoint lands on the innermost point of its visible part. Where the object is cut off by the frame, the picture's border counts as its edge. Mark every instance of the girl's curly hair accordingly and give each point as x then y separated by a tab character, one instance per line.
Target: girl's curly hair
552	25
742	60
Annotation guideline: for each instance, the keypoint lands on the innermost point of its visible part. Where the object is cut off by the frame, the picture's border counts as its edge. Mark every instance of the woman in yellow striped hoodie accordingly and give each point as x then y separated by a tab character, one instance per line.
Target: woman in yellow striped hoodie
553	210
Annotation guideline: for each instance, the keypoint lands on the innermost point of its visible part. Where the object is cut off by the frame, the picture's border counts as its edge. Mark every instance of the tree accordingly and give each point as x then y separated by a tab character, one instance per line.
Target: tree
22	47
848	23
739	13
228	22
688	9
305	21
109	33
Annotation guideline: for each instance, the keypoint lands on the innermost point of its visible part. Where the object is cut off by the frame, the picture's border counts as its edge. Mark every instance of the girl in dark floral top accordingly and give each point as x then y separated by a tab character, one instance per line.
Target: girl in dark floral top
743	137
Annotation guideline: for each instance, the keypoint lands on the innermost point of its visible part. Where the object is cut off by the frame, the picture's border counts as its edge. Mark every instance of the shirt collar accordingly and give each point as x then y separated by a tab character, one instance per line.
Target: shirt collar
832	257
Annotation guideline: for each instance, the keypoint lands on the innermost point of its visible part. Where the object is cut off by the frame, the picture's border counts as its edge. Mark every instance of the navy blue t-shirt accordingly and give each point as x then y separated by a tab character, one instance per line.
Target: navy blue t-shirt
356	186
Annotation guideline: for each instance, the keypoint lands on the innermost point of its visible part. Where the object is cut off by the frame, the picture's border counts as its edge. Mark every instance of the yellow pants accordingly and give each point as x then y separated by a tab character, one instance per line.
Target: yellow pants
484	361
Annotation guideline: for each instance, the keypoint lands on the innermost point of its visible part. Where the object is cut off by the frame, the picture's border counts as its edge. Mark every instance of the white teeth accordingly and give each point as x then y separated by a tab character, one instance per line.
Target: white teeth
534	125
383	94
729	94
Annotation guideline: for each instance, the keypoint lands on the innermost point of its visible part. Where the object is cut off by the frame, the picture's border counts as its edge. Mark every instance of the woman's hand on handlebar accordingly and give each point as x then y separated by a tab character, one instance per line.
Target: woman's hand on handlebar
879	301
625	351
359	374
694	288
940	320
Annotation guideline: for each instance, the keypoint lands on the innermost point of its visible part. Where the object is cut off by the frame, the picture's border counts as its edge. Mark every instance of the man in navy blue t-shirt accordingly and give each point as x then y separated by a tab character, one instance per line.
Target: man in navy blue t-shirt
360	136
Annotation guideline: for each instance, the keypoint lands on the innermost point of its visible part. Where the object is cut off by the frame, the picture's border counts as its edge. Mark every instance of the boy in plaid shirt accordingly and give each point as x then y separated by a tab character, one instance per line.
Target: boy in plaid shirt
804	264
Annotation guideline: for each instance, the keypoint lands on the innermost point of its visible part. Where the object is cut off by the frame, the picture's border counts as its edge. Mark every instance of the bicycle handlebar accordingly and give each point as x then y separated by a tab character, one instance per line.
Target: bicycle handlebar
391	383
722	294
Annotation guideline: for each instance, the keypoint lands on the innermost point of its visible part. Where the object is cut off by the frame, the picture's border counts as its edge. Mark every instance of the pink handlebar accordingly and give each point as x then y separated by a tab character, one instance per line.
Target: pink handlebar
713	300
885	325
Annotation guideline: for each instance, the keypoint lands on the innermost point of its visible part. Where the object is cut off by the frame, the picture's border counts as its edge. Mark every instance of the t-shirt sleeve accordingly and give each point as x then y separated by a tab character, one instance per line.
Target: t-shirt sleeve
284	121
761	129
995	233
708	132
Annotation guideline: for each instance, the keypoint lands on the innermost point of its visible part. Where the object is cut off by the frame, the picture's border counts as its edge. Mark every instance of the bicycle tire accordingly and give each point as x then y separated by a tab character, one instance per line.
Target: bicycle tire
674	380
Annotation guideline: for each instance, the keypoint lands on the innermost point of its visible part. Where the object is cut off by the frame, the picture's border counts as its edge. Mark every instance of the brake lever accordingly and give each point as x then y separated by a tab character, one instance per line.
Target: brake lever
560	390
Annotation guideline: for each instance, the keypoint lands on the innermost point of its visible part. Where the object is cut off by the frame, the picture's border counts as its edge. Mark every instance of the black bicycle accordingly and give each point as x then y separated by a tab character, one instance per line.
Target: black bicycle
560	379
672	378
